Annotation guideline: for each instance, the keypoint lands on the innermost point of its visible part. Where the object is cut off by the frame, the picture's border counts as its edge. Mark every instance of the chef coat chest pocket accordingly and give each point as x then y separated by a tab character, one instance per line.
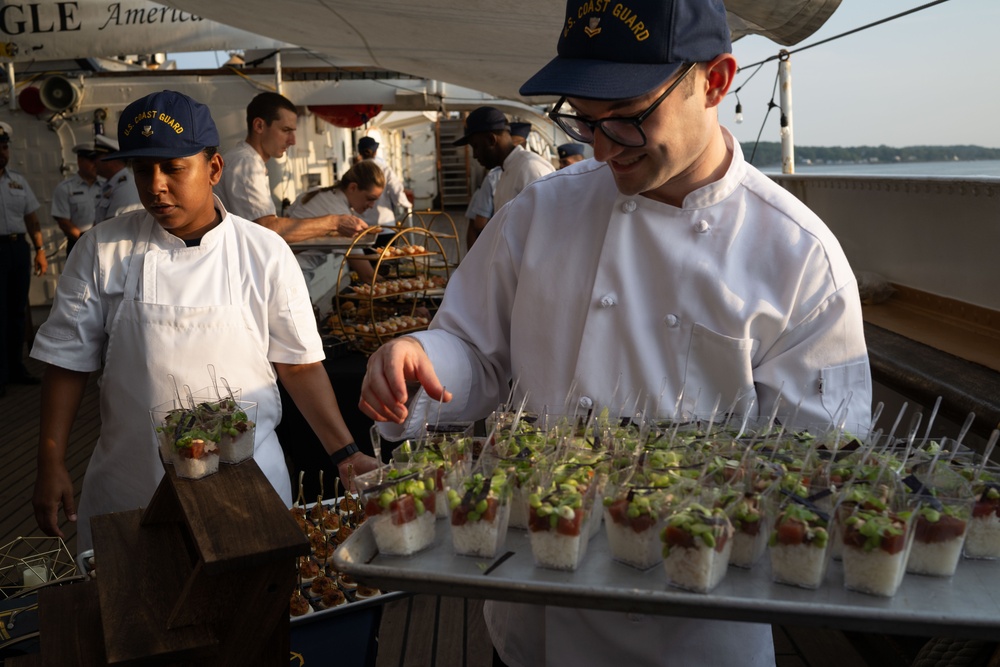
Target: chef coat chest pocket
717	364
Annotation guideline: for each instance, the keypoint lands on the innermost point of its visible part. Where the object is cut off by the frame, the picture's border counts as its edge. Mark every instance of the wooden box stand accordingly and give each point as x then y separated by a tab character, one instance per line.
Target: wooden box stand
201	577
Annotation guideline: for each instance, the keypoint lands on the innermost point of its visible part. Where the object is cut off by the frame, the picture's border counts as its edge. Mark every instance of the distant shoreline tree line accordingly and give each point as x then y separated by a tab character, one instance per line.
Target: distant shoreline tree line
768	153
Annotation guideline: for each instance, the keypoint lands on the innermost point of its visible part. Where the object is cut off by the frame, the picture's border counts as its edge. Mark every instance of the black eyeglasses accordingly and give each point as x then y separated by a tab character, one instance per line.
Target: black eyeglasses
626	131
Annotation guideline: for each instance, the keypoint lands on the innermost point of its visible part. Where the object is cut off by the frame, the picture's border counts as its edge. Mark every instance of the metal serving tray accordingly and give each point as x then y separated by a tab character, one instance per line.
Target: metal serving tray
966	605
332	243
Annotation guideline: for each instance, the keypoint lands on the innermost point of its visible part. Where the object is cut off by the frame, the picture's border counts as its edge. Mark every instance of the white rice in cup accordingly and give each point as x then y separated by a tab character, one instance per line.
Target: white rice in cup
699	568
641	550
191	468
982	540
402	539
556	551
481	538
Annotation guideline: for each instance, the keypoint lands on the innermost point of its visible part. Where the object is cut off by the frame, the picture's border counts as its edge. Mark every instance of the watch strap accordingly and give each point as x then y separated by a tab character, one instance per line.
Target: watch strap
338	456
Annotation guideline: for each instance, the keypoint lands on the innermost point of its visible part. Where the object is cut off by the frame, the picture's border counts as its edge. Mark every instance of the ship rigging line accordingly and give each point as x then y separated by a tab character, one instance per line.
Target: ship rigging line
845	34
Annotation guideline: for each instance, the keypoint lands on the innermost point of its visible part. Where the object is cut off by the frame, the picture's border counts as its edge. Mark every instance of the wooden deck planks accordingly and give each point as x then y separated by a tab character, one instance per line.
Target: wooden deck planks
19	427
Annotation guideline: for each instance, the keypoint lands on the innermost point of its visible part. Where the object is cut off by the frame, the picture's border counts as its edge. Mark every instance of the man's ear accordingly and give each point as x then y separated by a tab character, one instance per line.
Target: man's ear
719	76
259	125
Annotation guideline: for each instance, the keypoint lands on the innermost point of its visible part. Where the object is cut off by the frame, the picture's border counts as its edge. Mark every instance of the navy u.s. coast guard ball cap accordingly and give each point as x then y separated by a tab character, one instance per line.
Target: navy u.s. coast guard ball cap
619	50
167	125
483	119
566	150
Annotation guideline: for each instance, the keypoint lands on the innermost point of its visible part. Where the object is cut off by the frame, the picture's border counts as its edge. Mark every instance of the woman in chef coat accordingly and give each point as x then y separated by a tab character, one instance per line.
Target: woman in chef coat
167	291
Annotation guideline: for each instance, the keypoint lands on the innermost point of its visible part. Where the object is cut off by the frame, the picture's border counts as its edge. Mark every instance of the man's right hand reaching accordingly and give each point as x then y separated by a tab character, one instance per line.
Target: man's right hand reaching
383	391
349	226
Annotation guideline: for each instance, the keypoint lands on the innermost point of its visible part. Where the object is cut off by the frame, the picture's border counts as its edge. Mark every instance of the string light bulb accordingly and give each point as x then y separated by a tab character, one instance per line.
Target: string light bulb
739	110
785	130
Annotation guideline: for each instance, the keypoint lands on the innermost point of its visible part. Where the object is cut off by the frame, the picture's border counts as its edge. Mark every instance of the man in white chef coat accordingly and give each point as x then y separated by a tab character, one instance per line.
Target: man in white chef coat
668	262
244	188
155	297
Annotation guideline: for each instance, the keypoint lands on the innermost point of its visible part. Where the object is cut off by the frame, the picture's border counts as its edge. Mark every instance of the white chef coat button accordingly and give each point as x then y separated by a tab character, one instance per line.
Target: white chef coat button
629	206
608	300
671	320
635	618
586	402
702	226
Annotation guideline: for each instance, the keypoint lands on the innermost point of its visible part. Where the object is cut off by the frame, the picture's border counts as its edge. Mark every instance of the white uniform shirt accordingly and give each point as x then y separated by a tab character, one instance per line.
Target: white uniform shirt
327	201
76	200
118	196
576	287
481	203
244	188
520	168
321	268
92	283
16	201
393	199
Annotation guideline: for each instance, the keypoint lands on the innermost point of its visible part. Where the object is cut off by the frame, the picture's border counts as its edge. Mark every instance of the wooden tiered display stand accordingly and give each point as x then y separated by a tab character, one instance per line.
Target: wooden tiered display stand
201	577
366	320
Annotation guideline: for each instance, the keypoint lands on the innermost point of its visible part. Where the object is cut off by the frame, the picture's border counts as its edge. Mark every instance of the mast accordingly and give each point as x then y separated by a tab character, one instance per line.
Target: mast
787	137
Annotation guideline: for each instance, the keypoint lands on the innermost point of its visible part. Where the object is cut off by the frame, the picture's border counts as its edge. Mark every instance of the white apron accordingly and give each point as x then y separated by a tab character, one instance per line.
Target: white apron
535	635
147	342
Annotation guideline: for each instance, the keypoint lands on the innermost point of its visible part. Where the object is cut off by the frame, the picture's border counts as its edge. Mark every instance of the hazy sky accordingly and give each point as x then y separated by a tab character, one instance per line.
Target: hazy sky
924	79
928	78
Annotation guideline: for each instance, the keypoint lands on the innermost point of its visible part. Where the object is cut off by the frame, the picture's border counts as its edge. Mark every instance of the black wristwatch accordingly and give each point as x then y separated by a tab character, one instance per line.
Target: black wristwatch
343	453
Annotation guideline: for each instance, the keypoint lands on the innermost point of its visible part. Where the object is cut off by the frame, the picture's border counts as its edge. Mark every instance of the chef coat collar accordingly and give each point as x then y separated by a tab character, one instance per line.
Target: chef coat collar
713	193
211	237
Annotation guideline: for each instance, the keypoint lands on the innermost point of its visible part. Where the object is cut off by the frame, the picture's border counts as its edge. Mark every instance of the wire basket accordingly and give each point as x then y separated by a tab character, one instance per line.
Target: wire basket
28	562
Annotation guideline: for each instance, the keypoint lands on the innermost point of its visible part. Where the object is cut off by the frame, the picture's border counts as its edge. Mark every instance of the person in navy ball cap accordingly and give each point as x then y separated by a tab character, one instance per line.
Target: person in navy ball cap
519	131
367	144
666	266
490	135
180	289
569	154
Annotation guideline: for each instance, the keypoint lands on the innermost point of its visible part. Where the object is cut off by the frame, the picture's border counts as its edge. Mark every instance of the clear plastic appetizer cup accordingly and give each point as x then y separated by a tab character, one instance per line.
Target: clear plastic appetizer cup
168	420
940	521
186	440
752	517
635	507
876	543
799	545
479	503
239	428
697	542
443	457
983	537
559	517
940	525
399	504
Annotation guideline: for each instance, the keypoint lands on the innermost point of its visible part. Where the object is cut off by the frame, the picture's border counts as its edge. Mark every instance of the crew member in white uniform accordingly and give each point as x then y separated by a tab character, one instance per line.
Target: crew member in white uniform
74	200
245	189
665	264
118	194
168	291
18	223
570	154
488	133
356	193
393	204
